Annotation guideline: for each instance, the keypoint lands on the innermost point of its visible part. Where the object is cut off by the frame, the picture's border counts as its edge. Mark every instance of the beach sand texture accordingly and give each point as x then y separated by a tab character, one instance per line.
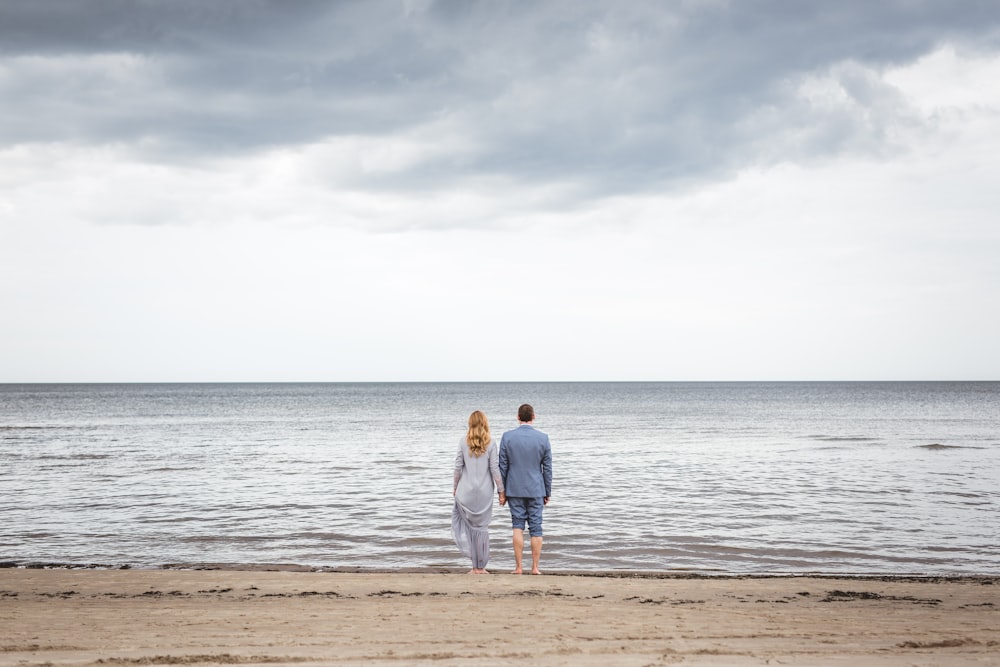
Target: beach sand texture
140	617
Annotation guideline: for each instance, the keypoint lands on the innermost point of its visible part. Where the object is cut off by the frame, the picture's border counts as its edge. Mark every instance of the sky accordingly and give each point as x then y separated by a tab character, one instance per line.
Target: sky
565	190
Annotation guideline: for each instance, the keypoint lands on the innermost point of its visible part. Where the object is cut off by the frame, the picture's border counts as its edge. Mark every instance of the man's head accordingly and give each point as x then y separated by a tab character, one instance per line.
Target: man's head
526	414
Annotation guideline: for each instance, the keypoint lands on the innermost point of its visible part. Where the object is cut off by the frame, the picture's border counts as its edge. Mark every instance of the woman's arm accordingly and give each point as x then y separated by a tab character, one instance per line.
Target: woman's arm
459	466
495	468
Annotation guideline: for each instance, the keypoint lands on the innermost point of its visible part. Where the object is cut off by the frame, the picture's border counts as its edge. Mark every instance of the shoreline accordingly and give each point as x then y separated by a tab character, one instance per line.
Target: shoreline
69	617
988	578
431	570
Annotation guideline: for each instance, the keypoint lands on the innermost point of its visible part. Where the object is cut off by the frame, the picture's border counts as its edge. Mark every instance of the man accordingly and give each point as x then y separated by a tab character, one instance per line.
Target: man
526	469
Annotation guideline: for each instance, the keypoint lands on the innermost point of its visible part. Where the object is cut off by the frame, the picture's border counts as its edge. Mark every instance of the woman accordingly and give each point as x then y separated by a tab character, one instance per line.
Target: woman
477	470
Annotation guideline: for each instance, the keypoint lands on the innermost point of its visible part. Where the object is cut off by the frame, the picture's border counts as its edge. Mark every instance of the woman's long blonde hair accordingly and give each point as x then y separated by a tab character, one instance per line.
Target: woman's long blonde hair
478	437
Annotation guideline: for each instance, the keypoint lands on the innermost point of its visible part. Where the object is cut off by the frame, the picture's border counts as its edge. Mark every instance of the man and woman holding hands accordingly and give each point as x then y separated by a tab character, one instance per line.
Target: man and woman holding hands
520	469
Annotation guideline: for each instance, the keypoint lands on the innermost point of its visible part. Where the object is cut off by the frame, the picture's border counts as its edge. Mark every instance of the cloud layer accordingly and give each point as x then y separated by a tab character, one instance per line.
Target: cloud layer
264	190
599	99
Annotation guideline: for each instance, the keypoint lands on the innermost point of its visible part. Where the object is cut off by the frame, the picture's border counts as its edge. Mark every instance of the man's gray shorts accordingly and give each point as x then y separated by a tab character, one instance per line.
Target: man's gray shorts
526	509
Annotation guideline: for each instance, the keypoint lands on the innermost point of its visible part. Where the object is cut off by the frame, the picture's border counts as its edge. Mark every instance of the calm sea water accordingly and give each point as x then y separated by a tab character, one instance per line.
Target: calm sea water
730	477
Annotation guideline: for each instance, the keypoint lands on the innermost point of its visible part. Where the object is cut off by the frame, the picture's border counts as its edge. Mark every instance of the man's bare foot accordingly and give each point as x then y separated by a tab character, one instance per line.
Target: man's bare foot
536	571
517	571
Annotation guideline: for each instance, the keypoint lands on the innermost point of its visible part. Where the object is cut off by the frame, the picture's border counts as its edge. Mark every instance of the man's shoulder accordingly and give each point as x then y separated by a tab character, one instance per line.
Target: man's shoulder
532	434
511	435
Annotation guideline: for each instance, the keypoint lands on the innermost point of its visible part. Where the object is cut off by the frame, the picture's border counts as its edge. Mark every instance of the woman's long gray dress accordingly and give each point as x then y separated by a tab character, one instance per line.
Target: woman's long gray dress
475	479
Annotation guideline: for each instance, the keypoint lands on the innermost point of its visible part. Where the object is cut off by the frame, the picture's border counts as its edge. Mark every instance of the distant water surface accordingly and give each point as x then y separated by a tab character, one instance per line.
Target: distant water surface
708	477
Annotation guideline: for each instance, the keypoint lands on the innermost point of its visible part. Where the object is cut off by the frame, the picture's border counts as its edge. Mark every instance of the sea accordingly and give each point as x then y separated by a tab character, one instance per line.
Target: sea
840	478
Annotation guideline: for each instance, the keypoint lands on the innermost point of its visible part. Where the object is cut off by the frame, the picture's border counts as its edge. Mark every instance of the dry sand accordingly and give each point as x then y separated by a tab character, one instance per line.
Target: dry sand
139	617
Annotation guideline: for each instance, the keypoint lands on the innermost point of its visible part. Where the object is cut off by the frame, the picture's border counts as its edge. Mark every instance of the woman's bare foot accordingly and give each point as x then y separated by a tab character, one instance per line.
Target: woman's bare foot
536	571
517	571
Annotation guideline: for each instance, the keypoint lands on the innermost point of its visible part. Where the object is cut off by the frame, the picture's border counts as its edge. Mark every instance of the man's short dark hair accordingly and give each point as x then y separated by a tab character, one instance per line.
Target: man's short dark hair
526	413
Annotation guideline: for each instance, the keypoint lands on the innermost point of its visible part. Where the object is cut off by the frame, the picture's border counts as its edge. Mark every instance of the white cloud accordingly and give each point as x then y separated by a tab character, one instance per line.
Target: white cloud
945	80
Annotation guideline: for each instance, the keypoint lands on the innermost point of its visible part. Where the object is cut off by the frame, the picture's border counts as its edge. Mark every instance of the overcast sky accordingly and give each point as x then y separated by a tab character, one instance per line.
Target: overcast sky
572	190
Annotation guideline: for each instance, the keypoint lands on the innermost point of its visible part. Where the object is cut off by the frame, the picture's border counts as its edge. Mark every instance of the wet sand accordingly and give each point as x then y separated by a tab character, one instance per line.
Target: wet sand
146	617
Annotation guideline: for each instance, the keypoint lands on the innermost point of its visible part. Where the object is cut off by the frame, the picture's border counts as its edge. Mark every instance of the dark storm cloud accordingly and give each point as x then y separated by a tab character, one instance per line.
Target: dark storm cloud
613	97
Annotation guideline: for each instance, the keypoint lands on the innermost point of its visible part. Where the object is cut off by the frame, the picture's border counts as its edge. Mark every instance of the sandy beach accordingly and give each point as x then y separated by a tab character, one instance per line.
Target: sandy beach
246	616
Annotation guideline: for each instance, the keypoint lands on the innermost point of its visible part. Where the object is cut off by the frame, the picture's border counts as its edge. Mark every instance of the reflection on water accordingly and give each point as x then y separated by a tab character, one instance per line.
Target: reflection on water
742	477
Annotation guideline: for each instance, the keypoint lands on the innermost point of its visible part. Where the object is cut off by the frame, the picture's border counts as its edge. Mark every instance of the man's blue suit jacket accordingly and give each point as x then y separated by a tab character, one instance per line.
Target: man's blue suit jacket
526	463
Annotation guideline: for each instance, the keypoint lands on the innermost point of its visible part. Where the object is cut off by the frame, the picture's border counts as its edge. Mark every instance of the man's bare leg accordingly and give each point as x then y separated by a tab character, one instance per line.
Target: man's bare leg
536	553
518	548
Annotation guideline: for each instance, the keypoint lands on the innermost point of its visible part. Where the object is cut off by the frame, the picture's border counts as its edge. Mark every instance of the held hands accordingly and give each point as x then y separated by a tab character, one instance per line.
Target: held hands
503	499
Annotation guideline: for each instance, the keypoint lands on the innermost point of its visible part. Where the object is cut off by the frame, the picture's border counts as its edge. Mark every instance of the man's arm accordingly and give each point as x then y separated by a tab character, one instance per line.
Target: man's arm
503	464
547	469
